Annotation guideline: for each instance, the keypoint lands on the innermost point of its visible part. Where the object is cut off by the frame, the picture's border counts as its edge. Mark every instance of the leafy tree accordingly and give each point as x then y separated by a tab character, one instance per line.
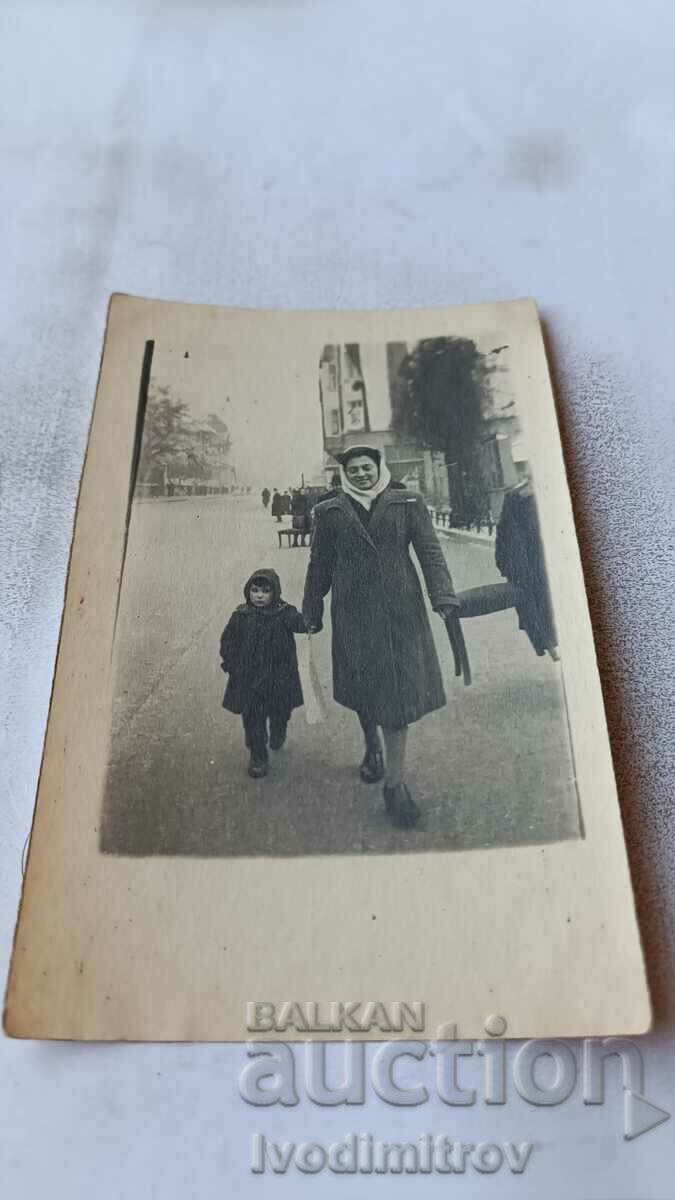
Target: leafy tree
166	429
217	424
440	397
175	445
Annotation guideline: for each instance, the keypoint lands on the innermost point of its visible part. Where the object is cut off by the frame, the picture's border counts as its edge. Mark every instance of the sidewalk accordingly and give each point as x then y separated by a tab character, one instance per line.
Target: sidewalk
177	780
194	496
481	537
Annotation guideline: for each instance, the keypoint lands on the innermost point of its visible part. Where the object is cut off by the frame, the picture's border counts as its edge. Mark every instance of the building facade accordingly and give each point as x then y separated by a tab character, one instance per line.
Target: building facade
355	390
355	384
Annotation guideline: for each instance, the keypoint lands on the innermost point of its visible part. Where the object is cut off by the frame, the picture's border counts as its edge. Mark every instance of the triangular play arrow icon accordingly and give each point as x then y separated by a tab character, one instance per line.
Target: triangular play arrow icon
640	1115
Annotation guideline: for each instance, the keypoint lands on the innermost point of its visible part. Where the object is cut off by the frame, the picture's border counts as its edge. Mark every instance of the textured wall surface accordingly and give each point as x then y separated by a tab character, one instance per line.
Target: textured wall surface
305	153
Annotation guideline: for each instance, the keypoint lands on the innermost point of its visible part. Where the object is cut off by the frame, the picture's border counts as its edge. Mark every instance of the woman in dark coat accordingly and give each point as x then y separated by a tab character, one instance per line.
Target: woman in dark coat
385	665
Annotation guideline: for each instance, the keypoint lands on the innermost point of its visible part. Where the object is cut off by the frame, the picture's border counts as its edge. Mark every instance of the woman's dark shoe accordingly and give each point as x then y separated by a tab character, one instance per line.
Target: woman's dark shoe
372	767
400	806
258	767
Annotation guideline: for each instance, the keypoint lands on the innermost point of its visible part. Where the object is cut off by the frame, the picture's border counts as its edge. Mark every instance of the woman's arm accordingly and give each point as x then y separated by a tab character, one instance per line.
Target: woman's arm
431	558
319	572
294	620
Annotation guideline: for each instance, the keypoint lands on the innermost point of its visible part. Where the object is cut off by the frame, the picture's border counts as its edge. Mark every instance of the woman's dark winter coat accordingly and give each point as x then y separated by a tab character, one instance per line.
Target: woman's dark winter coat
278	505
384	658
519	556
257	649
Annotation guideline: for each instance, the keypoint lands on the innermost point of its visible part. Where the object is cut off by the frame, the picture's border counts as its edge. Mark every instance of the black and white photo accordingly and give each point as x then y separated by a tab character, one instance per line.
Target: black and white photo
408	525
326	721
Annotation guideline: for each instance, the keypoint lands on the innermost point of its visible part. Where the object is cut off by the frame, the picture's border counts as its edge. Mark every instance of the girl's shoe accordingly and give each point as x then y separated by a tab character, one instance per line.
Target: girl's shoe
258	767
372	767
400	806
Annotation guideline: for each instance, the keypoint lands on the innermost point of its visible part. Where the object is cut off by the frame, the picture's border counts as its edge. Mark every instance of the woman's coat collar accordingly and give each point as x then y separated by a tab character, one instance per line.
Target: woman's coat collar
390	496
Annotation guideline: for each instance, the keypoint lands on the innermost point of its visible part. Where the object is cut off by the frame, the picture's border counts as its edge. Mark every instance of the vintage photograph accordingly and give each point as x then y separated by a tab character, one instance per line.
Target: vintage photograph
326	720
335	631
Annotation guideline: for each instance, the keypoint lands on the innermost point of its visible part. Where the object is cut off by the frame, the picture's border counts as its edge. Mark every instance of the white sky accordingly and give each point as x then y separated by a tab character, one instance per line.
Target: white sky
269	401
274	419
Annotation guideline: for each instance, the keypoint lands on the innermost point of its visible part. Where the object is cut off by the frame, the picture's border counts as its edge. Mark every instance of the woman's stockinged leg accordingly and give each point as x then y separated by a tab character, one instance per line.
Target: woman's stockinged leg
372	767
395	746
398	802
369	727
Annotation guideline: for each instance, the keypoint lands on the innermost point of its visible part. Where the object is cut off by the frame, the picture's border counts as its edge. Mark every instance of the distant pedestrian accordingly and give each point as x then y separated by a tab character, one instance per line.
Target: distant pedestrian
257	651
277	505
265	496
335	487
301	516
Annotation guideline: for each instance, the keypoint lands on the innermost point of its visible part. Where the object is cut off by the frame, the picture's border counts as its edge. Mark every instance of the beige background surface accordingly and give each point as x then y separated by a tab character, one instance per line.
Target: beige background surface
306	154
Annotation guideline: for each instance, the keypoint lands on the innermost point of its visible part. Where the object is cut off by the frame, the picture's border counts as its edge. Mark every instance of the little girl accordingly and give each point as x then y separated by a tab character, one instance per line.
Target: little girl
257	650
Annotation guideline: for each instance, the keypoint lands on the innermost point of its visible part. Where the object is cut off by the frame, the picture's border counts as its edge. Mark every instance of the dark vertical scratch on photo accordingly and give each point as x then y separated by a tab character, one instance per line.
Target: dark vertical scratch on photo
138	438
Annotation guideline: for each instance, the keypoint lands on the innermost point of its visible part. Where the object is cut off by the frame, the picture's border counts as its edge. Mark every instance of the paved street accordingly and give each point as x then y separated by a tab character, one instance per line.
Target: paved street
493	768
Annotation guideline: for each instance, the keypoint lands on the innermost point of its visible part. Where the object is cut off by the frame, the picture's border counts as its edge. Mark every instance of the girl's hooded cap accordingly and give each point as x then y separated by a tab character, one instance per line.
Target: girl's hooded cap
272	578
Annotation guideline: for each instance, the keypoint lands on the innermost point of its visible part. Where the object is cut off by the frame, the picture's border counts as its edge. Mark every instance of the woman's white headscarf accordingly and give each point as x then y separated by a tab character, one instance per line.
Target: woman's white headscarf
366	499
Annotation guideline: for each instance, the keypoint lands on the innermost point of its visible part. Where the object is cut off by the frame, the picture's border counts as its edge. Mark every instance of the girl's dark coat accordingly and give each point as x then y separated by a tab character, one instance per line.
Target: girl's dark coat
257	649
384	658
